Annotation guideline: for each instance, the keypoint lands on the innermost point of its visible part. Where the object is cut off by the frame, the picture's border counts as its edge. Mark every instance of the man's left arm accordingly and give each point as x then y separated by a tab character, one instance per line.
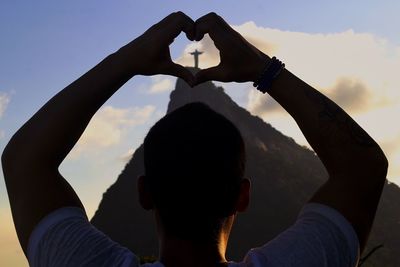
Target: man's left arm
32	157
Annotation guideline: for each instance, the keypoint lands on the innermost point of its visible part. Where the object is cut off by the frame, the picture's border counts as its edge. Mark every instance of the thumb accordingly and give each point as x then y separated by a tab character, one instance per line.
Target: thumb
181	72
214	73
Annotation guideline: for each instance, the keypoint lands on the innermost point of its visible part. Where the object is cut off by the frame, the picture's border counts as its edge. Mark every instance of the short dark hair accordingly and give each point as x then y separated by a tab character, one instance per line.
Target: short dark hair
194	160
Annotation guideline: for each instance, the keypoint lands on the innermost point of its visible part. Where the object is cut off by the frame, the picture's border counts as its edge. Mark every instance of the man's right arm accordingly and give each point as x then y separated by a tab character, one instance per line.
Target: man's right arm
356	165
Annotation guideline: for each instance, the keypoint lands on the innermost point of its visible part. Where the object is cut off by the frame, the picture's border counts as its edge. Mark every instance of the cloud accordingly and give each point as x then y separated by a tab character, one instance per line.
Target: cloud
349	93
355	69
261	104
160	85
108	127
4	100
323	58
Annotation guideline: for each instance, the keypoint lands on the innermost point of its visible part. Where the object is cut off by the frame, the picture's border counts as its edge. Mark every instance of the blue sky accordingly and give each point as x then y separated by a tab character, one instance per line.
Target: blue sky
45	45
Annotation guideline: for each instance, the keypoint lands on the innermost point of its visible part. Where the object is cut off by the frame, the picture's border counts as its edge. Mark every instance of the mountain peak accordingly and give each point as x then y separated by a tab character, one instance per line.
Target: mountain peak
206	92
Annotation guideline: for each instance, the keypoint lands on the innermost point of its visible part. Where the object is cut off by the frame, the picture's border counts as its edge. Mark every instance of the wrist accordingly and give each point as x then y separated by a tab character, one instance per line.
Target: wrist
272	70
123	62
259	67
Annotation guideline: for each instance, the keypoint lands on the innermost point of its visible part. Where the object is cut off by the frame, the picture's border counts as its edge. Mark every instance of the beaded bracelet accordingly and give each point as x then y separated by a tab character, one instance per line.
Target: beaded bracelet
271	71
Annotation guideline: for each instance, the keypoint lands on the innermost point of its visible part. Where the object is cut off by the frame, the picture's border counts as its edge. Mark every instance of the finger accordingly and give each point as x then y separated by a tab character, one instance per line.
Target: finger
188	27
176	23
180	72
204	24
211	74
212	24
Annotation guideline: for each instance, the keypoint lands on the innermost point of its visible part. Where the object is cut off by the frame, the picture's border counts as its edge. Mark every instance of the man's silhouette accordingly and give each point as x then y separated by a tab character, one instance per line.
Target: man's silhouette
194	165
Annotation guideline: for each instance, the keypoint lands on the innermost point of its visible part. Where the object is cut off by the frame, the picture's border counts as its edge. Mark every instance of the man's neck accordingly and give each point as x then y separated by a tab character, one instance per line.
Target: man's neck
175	252
184	253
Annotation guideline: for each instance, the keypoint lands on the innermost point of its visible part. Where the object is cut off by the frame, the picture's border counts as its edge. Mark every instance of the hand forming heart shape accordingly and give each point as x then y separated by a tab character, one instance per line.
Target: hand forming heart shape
239	60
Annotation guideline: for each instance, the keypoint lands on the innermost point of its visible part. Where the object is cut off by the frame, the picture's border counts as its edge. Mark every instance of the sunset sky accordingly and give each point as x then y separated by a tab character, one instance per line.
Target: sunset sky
349	50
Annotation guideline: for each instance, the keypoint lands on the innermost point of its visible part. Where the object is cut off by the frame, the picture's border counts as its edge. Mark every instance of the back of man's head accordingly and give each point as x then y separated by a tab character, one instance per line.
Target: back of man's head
194	161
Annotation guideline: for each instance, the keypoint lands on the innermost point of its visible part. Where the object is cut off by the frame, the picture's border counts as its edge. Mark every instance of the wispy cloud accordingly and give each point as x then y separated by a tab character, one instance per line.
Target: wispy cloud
161	84
351	94
4	100
109	126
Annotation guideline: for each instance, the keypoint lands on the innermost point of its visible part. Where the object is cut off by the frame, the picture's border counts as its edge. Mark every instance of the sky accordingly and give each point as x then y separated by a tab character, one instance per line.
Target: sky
349	50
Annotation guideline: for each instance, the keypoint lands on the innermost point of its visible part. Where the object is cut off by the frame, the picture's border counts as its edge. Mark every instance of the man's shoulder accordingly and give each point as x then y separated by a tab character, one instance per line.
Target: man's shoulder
321	236
66	238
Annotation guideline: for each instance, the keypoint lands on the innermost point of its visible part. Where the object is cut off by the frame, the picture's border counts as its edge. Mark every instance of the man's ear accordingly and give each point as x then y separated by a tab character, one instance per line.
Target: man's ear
244	195
145	198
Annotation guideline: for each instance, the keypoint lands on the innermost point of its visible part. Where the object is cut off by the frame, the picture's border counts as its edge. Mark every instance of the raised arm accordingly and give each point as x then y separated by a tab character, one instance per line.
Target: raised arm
356	165
32	157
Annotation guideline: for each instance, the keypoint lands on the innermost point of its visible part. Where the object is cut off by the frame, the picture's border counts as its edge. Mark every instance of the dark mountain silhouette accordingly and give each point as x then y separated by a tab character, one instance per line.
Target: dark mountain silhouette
284	175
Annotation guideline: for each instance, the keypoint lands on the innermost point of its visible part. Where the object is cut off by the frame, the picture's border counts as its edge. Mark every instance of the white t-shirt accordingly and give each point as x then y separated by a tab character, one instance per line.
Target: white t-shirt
320	237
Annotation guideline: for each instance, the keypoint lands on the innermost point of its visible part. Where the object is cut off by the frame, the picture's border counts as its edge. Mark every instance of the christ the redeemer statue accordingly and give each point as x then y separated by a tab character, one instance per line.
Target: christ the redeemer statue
196	54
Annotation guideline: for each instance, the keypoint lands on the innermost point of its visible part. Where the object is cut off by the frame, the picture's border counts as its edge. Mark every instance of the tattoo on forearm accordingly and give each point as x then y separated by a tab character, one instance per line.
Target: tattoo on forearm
337	118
